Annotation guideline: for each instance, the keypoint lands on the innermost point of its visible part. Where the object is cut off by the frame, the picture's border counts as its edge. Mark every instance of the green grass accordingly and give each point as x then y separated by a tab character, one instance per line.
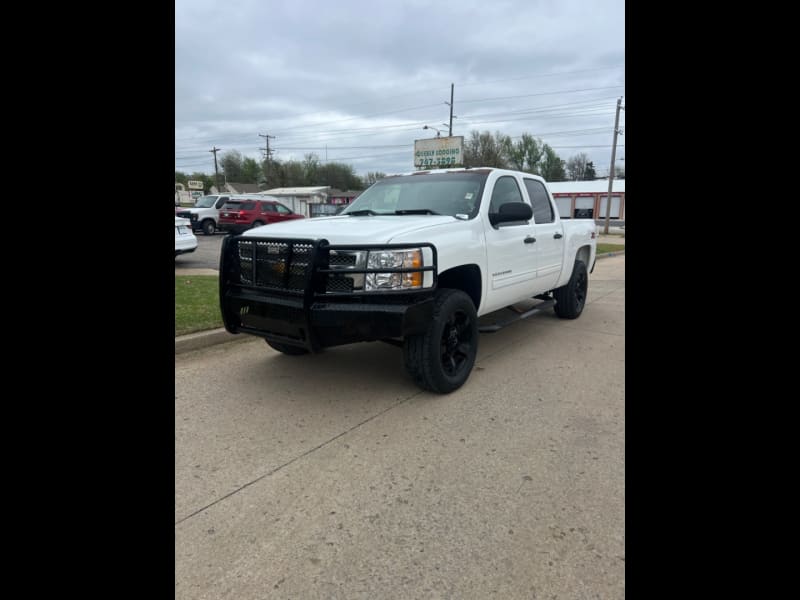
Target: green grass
196	303
604	248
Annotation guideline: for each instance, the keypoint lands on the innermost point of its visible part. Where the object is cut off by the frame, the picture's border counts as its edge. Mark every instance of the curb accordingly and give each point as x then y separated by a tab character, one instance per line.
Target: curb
204	339
212	337
610	254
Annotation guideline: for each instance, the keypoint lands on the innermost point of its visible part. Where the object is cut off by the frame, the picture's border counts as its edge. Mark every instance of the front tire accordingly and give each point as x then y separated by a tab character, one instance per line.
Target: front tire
257	224
208	227
571	298
441	359
287	348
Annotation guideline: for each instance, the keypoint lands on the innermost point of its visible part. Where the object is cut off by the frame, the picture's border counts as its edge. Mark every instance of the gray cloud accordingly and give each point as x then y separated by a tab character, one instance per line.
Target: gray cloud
358	80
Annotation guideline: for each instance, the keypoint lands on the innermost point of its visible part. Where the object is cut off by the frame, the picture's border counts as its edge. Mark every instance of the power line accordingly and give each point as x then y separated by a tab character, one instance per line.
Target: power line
344	120
608	87
581	104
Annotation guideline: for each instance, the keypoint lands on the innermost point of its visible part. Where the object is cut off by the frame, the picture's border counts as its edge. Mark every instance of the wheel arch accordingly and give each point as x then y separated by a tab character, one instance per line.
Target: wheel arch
583	254
466	278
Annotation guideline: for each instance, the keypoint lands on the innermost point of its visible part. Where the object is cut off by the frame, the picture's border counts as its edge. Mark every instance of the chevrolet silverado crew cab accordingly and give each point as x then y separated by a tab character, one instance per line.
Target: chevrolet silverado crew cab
415	260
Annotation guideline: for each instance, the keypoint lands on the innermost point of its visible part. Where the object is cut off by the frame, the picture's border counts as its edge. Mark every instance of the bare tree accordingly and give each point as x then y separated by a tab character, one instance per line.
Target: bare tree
576	167
372	177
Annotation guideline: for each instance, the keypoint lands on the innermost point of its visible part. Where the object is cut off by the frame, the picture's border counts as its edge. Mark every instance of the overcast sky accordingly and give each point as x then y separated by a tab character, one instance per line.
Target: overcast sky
356	81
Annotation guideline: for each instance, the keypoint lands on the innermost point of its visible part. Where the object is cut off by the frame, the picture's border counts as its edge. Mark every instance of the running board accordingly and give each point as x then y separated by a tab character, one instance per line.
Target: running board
536	309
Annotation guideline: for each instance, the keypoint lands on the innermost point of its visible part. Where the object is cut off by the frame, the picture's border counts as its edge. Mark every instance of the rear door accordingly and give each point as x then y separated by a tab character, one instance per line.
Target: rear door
267	212
549	236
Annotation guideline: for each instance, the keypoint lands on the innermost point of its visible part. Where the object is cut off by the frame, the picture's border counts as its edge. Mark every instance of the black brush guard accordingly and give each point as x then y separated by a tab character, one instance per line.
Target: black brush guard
286	291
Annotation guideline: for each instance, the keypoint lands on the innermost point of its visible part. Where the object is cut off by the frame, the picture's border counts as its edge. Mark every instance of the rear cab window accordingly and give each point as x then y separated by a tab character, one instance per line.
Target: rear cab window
239	205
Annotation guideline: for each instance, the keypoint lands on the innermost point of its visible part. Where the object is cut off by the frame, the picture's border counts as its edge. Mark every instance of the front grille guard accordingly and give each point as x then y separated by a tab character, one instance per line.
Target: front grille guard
298	270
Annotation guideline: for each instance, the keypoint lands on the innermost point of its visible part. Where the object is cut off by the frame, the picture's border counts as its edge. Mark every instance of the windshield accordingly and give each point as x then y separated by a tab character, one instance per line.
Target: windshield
205	202
435	193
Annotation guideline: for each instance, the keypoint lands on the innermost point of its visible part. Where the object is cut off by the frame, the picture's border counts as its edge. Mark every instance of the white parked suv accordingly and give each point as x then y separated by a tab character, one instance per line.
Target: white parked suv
204	215
185	241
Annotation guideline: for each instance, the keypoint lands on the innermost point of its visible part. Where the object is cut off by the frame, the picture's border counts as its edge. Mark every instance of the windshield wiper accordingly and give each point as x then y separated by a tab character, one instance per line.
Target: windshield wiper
416	211
360	213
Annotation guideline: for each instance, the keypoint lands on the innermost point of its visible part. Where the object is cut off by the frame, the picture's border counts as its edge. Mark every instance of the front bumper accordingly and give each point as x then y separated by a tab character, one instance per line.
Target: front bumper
307	316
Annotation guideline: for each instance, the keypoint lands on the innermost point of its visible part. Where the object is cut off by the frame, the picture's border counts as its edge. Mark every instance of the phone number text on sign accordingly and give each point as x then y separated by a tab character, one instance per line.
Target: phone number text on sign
438	162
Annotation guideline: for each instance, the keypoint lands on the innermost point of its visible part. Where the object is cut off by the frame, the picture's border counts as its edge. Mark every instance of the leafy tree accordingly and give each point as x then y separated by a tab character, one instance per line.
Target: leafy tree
337	175
181	177
551	166
310	167
619	173
295	174
251	171
525	154
231	163
485	150
589	174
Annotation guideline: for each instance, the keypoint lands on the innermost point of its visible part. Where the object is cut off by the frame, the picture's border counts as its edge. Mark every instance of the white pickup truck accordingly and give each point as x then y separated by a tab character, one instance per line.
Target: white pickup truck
415	260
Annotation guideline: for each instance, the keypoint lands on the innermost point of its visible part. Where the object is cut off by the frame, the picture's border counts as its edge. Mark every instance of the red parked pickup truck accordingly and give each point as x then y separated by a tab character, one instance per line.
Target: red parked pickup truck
241	213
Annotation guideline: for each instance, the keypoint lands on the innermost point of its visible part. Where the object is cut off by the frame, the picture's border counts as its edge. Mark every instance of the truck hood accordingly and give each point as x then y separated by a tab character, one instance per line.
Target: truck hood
352	230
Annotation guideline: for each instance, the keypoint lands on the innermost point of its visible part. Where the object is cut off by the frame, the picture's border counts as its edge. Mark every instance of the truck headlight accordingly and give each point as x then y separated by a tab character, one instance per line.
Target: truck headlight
410	258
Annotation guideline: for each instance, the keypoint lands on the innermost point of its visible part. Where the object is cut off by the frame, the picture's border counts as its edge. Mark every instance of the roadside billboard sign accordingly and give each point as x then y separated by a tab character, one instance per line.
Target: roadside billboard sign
439	152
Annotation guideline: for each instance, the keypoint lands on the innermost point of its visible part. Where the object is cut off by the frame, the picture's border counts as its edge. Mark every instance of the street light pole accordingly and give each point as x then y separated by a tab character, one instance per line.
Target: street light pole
611	172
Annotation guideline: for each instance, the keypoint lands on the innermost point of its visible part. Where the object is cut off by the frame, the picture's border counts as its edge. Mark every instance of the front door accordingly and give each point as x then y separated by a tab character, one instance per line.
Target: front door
510	250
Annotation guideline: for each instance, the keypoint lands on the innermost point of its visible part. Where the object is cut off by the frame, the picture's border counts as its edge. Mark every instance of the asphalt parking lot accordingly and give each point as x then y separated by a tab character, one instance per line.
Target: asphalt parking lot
206	256
333	476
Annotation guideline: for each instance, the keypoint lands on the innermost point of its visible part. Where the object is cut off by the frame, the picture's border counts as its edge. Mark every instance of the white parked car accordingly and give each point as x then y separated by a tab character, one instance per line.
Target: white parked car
185	240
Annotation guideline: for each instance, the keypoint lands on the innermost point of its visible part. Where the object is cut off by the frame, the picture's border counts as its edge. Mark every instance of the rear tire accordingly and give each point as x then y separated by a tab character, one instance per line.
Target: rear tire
257	224
208	227
441	359
287	348
571	298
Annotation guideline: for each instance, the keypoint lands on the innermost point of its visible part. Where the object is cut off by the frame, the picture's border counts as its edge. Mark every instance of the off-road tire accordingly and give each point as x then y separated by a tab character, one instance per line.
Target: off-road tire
571	298
441	359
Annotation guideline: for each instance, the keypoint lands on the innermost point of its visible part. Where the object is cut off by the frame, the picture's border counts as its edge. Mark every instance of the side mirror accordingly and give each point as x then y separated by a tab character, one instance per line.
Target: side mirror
511	211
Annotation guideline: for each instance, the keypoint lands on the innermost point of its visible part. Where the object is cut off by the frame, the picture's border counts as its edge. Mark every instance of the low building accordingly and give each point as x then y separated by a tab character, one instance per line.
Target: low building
237	188
588	199
313	201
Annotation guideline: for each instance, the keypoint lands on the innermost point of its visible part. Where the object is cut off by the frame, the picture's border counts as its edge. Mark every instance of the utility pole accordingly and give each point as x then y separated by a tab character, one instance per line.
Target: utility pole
267	153
613	158
216	172
451	110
